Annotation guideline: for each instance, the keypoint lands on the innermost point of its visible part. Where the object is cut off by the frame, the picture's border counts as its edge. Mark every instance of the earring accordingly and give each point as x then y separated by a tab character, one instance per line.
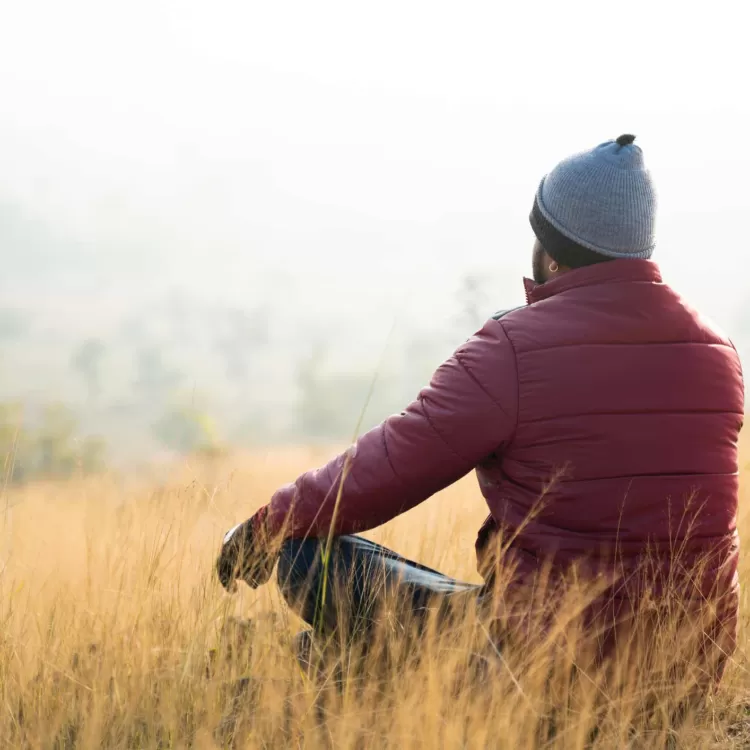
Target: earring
554	267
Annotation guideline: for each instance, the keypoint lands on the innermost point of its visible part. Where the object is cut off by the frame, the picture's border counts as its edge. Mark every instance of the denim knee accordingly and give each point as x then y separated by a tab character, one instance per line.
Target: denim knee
299	560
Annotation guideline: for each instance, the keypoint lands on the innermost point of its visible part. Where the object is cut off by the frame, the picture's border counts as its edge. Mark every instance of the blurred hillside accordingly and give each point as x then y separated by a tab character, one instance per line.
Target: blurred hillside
152	363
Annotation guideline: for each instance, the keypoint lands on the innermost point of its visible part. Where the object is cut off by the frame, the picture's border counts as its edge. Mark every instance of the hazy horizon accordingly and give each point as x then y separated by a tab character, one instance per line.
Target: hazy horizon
340	167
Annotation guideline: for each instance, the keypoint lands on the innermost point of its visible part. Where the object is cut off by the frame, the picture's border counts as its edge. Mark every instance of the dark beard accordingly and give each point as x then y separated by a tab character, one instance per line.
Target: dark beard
537	267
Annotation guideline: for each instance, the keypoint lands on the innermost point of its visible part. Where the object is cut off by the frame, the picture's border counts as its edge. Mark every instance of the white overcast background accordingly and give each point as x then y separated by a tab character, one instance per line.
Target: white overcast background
371	152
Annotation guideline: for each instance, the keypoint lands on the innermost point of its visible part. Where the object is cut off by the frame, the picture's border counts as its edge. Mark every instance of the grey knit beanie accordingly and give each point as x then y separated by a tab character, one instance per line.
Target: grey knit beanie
602	200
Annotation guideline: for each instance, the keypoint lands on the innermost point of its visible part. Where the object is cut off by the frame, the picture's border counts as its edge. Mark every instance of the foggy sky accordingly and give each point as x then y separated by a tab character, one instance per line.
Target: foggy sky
362	156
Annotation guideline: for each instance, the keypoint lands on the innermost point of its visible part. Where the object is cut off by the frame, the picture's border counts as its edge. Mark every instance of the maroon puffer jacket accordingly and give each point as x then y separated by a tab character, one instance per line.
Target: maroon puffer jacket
607	395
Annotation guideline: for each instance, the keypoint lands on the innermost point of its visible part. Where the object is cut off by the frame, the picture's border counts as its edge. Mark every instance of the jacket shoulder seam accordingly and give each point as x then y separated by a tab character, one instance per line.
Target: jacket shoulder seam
502	313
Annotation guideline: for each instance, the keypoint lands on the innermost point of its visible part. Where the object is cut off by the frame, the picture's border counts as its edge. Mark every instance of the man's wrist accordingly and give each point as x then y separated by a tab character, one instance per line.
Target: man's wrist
259	522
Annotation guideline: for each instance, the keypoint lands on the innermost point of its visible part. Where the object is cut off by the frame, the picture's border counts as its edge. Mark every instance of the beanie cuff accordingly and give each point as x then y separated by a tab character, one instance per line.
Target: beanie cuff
560	248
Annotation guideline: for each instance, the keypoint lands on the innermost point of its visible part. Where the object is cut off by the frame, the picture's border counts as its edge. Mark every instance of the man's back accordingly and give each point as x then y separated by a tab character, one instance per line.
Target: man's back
629	410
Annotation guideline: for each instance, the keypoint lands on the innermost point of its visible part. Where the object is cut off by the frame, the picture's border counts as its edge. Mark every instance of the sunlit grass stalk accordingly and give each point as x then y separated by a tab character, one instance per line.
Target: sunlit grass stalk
320	603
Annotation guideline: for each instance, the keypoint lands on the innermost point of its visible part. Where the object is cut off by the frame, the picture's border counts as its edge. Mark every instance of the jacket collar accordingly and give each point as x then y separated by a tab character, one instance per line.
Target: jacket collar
614	271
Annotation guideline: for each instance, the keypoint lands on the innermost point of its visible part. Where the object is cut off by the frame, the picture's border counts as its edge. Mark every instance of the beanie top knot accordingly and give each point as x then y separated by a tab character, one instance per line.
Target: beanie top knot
625	140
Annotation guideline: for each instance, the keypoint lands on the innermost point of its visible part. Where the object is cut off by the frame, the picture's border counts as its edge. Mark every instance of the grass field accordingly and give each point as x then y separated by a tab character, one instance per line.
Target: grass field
109	607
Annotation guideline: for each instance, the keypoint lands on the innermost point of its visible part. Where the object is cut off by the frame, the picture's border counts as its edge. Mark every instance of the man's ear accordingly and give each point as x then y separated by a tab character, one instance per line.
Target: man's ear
553	267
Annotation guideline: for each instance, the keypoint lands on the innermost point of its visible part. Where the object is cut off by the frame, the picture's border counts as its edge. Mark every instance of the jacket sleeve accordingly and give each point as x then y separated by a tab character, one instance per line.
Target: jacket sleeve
468	411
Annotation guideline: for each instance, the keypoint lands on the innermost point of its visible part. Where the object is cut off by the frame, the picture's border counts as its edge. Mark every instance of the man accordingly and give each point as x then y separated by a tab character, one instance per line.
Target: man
602	420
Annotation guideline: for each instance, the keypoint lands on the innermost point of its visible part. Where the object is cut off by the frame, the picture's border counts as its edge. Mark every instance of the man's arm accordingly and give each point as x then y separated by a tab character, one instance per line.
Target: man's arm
469	410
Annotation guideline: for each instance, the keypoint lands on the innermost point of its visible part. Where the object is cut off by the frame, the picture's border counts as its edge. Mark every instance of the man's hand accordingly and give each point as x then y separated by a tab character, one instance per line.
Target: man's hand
246	554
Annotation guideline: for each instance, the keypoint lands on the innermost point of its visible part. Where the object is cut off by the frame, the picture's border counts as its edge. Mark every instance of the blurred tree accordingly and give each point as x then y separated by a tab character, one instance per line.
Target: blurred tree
421	357
92	454
473	302
51	449
155	380
14	324
14	458
331	404
240	337
315	416
186	430
87	361
54	446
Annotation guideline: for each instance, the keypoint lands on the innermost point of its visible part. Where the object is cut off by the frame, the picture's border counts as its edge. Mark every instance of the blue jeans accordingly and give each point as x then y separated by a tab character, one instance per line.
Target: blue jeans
361	574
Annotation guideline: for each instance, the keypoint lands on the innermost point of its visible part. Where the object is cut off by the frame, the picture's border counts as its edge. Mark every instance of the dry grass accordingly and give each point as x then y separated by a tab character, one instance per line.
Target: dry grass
108	608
